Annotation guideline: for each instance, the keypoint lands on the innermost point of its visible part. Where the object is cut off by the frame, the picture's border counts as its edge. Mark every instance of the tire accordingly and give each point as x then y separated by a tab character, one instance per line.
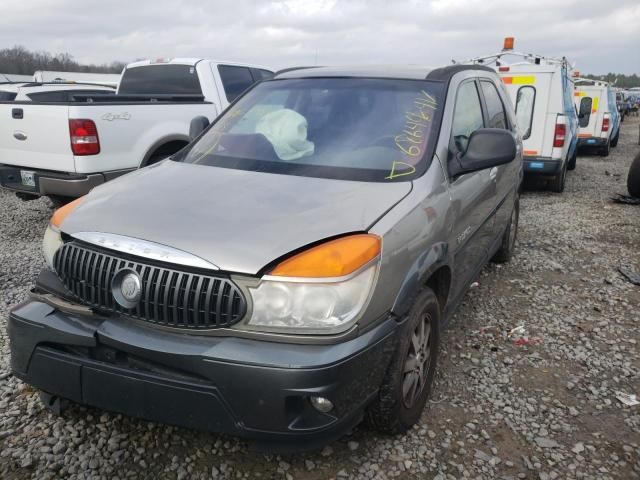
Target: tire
573	160
633	179
508	244
395	411
558	182
614	141
59	201
604	151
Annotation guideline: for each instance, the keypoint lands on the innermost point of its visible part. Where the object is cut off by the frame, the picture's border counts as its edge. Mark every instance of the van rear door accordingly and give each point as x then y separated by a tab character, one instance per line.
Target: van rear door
530	95
35	136
587	105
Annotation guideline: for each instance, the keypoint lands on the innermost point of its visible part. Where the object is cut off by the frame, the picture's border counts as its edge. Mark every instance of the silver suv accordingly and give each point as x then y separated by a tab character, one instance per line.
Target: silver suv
288	272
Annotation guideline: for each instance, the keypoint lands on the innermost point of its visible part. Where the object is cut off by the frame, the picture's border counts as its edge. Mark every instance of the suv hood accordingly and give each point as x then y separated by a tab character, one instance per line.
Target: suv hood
237	220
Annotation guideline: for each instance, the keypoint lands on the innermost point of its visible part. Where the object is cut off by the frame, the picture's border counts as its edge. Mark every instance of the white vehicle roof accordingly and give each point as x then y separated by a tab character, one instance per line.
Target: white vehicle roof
84	77
189	61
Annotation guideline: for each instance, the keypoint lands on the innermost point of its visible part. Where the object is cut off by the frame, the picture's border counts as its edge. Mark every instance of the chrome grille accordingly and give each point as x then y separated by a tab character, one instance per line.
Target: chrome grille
170	297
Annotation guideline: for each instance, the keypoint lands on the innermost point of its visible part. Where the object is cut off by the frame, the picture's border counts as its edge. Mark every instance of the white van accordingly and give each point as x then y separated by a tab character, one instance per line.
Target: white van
598	116
541	89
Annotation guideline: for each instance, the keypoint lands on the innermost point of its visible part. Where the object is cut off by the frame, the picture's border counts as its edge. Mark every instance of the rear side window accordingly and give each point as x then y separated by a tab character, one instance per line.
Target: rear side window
495	107
525	101
7	96
467	115
235	80
160	80
584	113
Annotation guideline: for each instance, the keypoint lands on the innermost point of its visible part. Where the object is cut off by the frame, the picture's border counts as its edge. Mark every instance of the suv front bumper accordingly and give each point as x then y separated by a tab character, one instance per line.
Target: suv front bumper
246	387
48	182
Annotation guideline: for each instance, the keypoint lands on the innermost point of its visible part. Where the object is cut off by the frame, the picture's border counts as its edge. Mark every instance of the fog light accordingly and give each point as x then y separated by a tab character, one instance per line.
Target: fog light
322	404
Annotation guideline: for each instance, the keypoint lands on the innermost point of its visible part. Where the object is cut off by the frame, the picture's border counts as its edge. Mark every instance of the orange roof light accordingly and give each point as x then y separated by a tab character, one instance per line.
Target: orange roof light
60	214
508	43
334	258
576	73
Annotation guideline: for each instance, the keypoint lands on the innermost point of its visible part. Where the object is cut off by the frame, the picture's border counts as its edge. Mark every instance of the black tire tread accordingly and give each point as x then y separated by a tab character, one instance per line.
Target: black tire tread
633	178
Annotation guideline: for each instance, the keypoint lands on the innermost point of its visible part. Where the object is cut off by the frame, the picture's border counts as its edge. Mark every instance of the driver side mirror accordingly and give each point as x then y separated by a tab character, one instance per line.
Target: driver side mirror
197	126
487	147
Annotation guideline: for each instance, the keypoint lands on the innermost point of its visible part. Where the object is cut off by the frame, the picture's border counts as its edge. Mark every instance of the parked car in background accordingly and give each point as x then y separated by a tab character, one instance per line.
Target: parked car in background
46	76
63	150
290	270
541	89
598	116
58	92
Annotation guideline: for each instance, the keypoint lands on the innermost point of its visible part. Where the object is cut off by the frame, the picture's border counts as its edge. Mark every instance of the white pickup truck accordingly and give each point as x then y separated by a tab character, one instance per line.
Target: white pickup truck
64	149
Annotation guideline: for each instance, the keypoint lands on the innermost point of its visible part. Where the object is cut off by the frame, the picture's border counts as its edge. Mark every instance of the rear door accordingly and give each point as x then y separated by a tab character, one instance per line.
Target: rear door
35	136
587	104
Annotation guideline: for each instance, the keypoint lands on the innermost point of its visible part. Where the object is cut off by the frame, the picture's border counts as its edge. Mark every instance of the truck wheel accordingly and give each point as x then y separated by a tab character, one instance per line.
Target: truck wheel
614	141
572	161
633	179
409	377
604	151
508	245
557	184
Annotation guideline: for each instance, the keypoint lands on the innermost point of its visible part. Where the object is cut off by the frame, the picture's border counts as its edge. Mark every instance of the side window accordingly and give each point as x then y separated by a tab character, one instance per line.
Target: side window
235	80
467	115
584	113
261	74
495	107
525	101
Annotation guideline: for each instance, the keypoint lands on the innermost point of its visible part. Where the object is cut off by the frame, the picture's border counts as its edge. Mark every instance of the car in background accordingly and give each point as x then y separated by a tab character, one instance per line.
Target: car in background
541	89
290	271
598	116
64	149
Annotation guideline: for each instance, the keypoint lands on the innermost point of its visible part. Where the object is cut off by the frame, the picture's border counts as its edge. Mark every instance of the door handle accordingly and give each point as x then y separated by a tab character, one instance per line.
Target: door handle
18	135
17	113
493	173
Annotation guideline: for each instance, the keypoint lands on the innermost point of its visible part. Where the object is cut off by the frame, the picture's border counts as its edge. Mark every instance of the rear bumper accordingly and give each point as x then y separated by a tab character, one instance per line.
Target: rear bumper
48	182
592	142
250	388
542	166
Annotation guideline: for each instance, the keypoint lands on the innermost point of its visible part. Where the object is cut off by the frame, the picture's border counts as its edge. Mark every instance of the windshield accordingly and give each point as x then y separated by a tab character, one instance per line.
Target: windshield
346	128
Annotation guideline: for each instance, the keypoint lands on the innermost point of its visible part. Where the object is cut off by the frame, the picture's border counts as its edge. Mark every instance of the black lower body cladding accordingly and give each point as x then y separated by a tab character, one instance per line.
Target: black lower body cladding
251	388
542	166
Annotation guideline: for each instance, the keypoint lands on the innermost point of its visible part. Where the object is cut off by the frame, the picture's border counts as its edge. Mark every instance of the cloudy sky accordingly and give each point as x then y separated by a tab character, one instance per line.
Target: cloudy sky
598	35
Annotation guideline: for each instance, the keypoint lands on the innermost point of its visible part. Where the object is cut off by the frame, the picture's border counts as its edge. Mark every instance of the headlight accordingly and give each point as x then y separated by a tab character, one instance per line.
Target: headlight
51	242
319	291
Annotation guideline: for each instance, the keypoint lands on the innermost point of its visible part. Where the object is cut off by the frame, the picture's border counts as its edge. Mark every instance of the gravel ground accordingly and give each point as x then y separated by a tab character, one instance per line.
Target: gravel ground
537	404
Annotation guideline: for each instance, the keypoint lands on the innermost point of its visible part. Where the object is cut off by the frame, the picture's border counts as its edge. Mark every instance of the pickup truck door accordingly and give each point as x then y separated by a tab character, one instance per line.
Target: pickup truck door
472	195
35	136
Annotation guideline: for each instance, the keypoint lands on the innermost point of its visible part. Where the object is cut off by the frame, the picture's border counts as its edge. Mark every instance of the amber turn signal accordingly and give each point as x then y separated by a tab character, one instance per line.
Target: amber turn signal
60	214
334	258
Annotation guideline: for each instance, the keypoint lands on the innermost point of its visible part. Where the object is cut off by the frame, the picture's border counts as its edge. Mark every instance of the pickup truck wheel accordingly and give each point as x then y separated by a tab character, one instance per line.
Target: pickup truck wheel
508	245
633	179
407	383
59	201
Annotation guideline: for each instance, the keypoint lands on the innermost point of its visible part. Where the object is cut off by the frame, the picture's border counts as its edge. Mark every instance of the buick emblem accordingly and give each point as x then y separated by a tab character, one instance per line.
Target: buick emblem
126	288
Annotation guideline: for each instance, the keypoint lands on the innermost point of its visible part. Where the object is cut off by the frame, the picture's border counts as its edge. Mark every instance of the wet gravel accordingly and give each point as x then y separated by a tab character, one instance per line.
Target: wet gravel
528	377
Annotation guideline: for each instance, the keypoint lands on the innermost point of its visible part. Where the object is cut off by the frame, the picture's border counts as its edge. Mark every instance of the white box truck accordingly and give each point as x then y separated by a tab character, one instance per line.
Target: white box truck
64	149
541	89
598	116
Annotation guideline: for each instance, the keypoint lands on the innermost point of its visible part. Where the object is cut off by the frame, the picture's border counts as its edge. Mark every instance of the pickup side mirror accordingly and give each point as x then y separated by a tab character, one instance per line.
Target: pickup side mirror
197	126
487	147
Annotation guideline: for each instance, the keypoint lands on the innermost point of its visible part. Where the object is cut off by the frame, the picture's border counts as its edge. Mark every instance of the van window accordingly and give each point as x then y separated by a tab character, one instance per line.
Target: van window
261	74
7	96
467	115
525	101
162	79
584	114
235	80
495	107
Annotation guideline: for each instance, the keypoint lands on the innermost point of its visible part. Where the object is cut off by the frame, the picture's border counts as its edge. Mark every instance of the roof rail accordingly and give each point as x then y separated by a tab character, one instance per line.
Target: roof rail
526	58
590	81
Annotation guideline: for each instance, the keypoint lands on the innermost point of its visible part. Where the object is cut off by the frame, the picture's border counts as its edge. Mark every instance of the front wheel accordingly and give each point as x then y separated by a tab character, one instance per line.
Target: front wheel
407	383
